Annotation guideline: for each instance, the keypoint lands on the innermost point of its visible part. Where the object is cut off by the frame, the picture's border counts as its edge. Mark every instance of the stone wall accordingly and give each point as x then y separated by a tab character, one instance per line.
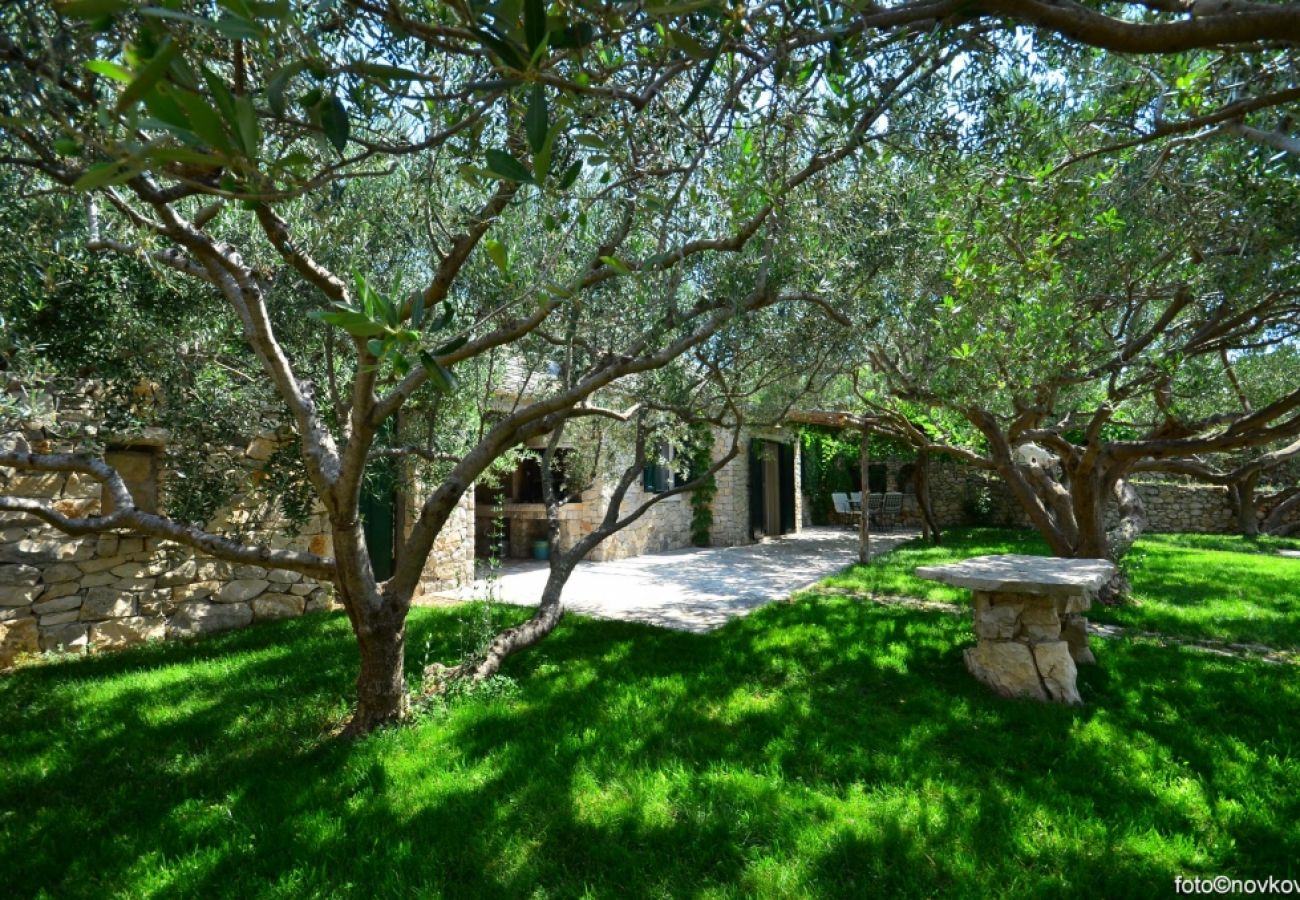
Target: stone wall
1172	506
451	561
112	590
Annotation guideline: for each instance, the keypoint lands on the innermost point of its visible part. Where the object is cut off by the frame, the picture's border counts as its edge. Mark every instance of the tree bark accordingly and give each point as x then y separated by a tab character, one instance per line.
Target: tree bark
1132	520
381	683
1273	523
864	523
921	485
1088	505
1246	504
509	642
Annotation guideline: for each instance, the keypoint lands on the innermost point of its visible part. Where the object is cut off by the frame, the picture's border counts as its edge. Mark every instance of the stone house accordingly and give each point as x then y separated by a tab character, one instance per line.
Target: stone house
757	495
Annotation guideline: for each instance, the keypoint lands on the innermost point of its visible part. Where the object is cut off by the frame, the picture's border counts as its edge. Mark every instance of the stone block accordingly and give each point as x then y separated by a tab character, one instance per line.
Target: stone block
98	579
157	603
10	613
302	589
1007	667
19	594
1057	669
19	575
212	570
106	603
125	632
249	572
277	606
17	637
1039	622
72	637
55	591
58	604
61	572
1075	603
136	584
1074	631
107	545
201	617
196	591
81	487
60	618
128	545
182	574
38	551
320	600
997	623
282	576
241	590
100	564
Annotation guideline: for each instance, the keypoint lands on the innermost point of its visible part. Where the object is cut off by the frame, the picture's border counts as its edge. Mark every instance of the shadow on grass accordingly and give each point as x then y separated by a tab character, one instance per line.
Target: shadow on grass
822	747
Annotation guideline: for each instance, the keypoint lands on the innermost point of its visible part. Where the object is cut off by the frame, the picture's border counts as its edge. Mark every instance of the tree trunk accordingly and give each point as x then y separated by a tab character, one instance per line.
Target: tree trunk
921	486
381	684
1246	504
520	637
864	519
1132	520
1273	522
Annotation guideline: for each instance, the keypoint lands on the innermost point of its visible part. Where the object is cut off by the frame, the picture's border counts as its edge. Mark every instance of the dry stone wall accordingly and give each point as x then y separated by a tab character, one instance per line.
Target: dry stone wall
964	495
113	590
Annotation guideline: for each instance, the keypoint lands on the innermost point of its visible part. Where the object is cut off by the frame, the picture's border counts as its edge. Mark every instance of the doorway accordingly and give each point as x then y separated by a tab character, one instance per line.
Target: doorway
771	488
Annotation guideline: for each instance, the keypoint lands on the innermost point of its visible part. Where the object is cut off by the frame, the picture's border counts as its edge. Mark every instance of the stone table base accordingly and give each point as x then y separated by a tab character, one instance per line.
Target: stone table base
1029	644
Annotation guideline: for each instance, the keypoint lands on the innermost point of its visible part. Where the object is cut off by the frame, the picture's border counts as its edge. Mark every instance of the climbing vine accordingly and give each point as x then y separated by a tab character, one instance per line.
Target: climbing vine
701	457
831	464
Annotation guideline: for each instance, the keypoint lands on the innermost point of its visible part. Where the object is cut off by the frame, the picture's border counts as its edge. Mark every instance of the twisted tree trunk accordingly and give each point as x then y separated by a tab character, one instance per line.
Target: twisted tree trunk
1273	522
526	634
864	519
1245	503
921	486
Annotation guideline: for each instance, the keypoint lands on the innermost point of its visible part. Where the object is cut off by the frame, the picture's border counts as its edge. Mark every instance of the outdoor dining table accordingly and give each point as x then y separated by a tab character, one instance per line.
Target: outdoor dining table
1030	632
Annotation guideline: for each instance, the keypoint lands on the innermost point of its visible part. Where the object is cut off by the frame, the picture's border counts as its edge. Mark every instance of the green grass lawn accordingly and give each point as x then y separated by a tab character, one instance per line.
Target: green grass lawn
1198	586
825	747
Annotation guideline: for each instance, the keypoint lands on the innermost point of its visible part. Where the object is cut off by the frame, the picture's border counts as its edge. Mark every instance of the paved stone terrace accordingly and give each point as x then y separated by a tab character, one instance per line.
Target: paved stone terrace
695	589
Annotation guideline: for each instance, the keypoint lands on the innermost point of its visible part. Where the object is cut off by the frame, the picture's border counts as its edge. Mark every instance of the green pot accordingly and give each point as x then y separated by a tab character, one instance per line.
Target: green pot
541	550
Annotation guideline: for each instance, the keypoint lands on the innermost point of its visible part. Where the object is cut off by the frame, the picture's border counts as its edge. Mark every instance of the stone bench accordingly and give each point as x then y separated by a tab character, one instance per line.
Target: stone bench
1031	634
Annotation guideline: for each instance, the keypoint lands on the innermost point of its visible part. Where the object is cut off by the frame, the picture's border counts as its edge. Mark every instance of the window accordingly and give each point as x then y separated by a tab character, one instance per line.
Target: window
138	466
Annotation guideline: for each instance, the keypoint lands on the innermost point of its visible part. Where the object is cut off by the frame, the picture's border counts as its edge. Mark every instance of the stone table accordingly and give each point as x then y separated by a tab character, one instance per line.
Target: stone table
1031	634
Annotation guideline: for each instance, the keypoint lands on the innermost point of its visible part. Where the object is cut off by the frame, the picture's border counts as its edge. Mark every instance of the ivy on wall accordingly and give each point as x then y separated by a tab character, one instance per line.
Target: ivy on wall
701	457
830	464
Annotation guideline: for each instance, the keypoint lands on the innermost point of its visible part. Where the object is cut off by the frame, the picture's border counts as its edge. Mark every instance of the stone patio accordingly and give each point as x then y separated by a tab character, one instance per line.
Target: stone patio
695	589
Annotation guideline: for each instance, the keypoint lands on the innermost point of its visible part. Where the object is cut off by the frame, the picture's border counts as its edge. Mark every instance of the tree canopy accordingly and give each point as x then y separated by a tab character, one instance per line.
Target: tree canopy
390	200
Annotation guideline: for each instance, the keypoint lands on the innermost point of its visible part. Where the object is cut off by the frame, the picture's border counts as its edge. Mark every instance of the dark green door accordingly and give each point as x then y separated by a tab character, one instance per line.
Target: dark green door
379	516
786	461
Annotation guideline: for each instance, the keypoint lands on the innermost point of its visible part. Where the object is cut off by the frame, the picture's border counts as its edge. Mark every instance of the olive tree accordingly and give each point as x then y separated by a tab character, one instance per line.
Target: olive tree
595	157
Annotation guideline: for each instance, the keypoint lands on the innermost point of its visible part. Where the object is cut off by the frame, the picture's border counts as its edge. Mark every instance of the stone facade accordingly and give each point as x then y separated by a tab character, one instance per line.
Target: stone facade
113	590
666	526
